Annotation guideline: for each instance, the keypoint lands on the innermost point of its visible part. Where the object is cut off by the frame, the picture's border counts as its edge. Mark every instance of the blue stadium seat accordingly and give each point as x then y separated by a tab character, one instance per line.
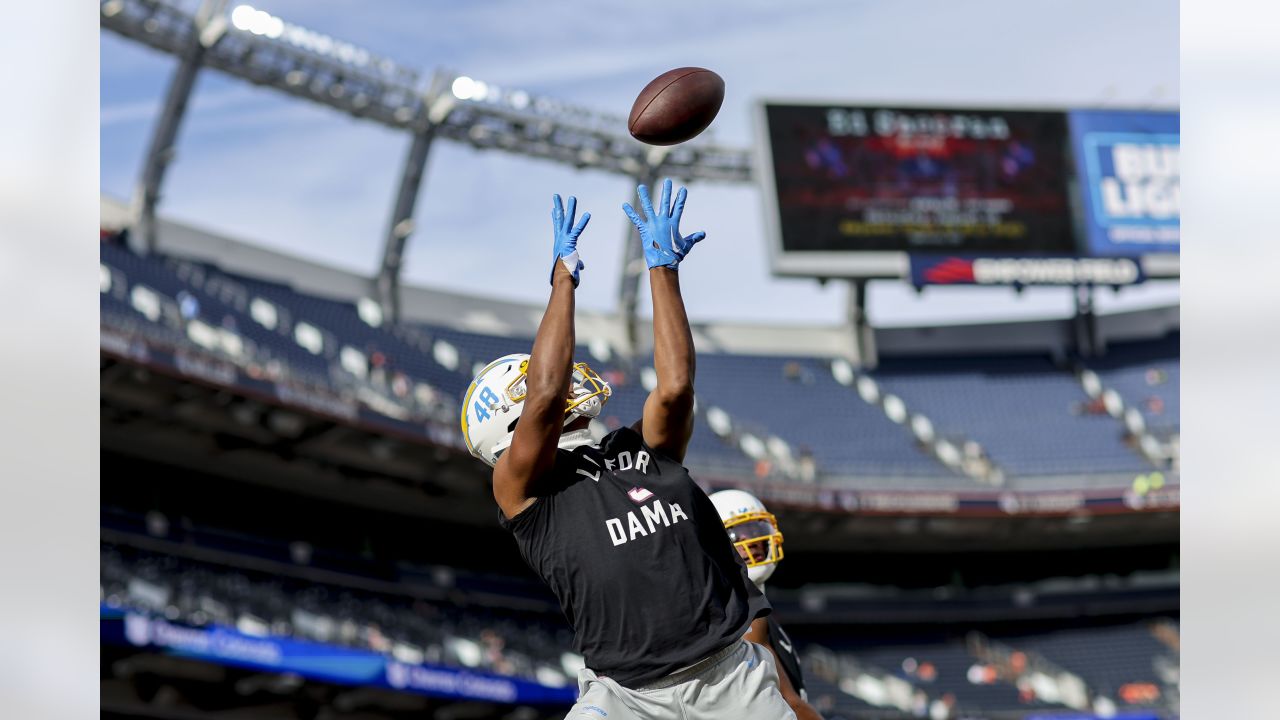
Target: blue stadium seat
1147	375
1023	410
798	400
1106	658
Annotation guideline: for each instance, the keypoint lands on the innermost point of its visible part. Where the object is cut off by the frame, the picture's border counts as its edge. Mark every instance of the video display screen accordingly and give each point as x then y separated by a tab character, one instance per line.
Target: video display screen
918	180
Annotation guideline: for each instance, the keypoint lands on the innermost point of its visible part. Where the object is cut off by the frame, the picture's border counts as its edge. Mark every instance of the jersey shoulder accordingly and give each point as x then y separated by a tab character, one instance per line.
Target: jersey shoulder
630	438
624	434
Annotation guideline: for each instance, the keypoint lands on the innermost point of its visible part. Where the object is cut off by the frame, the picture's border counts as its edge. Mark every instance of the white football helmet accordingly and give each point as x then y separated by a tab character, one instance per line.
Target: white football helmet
753	530
495	400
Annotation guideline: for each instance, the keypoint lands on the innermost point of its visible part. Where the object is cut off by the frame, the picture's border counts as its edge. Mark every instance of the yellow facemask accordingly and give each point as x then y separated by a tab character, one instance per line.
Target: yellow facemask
584	385
756	536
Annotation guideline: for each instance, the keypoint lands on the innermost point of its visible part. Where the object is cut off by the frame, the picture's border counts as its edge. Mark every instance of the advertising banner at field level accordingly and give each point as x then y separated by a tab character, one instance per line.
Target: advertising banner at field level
319	661
1127	165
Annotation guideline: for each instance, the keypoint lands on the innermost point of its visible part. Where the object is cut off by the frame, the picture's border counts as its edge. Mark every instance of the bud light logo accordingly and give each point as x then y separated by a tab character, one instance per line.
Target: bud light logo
1129	171
1137	179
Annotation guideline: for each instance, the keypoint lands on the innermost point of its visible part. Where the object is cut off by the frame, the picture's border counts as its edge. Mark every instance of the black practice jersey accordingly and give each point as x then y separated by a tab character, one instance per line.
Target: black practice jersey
786	653
638	558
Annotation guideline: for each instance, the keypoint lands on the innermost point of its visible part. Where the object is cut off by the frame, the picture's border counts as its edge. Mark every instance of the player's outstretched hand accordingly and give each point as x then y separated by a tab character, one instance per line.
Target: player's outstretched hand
566	237
664	246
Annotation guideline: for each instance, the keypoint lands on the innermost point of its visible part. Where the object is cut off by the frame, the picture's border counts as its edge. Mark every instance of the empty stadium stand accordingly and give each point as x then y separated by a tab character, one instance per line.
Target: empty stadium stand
1027	412
1024	410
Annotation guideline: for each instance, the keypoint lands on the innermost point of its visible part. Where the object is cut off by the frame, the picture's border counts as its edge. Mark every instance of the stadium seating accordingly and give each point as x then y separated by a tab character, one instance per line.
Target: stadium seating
219	310
950	663
1110	659
798	399
258	603
1027	414
1024	410
847	675
1146	374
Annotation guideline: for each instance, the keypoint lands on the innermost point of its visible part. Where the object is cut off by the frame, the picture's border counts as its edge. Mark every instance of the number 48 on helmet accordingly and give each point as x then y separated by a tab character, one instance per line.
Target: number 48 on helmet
493	403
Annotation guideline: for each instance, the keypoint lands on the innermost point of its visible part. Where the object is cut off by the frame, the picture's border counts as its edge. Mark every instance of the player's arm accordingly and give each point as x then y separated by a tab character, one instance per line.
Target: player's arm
537	434
759	634
667	422
668	411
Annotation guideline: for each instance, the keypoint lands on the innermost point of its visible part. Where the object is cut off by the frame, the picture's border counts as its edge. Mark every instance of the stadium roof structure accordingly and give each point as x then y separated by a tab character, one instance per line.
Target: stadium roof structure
265	50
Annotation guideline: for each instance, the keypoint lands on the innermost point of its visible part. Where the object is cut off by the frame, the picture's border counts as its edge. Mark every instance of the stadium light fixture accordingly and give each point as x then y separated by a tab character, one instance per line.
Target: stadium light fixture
247	18
242	17
463	88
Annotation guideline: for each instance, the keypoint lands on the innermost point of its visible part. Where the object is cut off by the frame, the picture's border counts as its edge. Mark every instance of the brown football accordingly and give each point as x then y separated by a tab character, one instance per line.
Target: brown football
676	106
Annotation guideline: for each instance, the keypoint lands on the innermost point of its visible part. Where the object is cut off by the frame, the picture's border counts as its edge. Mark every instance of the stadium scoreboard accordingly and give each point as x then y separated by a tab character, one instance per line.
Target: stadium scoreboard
887	191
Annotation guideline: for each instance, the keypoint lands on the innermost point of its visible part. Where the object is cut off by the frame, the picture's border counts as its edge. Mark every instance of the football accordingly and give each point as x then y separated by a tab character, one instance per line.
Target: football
676	106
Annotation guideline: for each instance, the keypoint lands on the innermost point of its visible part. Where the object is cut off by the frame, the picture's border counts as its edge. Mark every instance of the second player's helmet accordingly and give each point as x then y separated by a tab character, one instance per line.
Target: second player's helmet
753	530
495	400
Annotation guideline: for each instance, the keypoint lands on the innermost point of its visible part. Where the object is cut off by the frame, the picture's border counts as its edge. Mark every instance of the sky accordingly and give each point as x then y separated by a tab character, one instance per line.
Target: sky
307	180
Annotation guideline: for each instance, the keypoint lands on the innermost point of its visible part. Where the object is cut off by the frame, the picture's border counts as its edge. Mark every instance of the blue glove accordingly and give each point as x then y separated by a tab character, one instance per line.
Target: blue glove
566	237
664	246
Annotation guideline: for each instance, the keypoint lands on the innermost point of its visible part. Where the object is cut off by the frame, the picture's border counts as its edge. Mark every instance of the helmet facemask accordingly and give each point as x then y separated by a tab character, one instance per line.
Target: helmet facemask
587	393
758	541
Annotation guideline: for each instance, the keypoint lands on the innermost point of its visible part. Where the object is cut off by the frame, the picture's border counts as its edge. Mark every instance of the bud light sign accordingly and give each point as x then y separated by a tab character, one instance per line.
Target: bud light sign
1127	163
